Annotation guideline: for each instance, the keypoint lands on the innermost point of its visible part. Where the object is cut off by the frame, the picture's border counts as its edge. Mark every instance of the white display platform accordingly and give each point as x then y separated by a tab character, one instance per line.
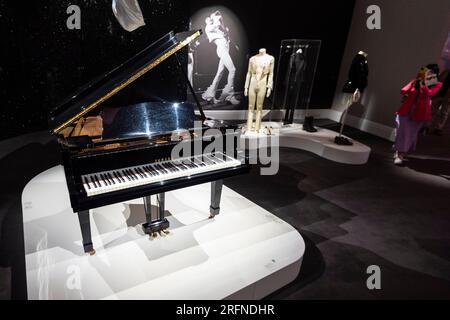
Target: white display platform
320	143
244	253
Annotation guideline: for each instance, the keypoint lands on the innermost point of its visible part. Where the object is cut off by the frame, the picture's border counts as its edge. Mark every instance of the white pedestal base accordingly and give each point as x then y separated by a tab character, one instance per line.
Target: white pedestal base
244	253
320	143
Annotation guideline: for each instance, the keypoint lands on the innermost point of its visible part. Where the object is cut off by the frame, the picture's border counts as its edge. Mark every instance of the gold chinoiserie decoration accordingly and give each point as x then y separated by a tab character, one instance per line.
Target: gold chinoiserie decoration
136	76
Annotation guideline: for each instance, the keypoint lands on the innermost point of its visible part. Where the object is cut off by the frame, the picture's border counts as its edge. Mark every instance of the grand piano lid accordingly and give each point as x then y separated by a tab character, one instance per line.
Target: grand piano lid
95	93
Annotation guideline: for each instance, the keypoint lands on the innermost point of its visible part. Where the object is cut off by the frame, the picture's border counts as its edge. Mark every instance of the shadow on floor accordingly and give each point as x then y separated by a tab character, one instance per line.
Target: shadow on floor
440	168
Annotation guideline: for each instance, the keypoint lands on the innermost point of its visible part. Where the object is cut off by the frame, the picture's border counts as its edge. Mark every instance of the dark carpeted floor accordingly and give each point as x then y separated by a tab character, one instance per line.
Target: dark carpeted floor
351	217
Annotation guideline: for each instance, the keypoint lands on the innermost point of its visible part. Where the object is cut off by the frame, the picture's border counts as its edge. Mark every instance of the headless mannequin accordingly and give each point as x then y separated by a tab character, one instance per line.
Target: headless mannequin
258	85
354	97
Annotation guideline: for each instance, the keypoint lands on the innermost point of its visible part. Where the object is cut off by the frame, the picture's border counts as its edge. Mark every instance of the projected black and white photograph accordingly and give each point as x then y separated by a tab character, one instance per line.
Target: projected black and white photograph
217	60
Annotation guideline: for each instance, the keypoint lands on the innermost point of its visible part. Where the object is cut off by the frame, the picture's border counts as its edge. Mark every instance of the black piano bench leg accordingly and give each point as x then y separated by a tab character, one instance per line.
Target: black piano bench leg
216	195
85	225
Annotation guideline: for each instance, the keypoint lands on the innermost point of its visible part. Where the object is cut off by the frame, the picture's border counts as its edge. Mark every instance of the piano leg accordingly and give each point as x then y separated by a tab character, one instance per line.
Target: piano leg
216	194
85	225
156	223
161	199
148	208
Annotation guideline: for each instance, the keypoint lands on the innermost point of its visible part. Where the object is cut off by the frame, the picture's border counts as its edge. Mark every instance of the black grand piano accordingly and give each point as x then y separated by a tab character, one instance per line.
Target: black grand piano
125	152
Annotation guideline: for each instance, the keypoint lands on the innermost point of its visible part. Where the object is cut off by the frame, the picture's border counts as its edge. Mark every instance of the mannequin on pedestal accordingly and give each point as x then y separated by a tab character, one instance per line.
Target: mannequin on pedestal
258	85
354	87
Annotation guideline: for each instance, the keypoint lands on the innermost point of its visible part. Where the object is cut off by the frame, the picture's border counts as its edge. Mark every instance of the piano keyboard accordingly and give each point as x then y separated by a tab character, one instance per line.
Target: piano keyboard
109	181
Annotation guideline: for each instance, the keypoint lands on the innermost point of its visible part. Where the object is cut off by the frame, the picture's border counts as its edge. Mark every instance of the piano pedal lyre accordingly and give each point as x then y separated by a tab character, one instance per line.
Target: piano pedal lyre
166	231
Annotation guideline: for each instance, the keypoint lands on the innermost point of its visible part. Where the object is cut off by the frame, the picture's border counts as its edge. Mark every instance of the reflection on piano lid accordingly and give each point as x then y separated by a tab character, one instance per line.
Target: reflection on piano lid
95	93
147	119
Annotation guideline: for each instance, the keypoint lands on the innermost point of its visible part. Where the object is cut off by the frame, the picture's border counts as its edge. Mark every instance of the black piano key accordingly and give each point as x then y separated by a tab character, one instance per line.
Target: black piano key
117	177
86	182
195	162
148	170
179	165
136	173
143	173
94	178
153	170
111	178
93	181
168	167
157	169
147	174
131	173
105	178
98	181
200	161
122	176
125	173
160	168
164	166
188	163
173	167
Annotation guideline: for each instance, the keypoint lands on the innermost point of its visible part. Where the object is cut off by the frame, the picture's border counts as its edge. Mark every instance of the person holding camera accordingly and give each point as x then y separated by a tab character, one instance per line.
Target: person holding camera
414	112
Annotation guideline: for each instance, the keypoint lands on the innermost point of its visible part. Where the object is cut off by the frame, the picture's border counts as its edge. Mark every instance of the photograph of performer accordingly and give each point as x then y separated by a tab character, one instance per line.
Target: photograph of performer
218	33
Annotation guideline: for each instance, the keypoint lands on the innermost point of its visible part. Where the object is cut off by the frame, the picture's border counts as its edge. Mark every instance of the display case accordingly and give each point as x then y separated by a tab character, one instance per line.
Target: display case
295	75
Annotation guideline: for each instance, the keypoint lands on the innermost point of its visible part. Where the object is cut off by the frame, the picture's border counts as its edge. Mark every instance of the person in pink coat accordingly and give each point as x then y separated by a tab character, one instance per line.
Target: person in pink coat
414	112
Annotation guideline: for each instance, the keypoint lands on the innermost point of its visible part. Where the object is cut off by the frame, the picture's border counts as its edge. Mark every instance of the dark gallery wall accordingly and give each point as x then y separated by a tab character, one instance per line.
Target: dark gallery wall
41	61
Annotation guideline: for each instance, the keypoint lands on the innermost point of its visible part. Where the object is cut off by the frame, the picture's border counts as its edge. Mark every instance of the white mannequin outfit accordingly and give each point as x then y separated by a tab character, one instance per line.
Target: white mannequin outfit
258	85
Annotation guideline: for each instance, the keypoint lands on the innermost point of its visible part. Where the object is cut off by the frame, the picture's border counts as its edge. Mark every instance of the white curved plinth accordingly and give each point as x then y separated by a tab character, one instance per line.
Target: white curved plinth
320	143
244	253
